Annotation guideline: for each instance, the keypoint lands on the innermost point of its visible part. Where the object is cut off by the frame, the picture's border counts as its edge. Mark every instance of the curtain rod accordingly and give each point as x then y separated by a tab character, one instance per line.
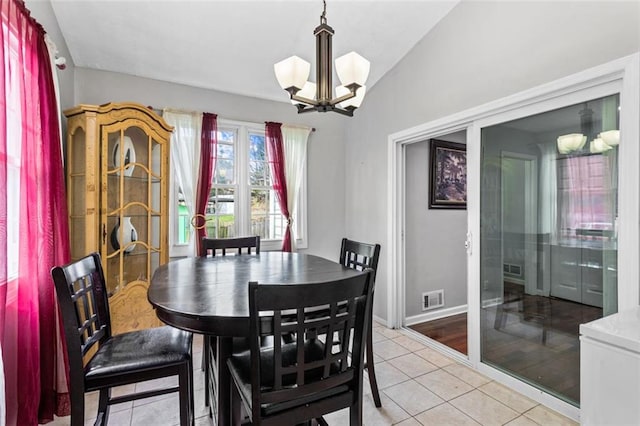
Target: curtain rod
160	110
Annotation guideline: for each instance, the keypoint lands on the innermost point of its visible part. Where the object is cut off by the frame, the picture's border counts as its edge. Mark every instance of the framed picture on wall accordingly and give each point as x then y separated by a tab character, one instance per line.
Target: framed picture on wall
447	175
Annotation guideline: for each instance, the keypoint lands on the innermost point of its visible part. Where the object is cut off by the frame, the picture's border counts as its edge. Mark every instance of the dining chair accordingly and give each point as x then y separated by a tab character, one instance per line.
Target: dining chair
358	255
118	360
219	247
317	373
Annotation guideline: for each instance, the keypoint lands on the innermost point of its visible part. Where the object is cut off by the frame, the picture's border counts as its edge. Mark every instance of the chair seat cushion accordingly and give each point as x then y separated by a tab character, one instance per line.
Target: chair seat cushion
139	350
240	368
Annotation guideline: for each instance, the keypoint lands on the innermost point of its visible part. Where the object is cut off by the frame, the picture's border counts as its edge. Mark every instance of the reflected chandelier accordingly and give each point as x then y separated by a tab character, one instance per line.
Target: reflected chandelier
352	69
575	142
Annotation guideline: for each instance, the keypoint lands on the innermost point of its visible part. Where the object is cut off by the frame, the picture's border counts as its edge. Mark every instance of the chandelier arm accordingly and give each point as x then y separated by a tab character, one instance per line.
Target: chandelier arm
305	108
309	108
342	98
307	101
348	112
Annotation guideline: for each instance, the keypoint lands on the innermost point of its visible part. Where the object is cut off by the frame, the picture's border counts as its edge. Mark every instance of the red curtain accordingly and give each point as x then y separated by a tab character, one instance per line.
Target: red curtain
33	222
275	152
208	153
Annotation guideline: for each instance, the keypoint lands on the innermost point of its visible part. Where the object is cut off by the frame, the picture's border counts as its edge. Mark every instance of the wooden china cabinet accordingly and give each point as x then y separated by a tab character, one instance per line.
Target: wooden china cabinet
117	162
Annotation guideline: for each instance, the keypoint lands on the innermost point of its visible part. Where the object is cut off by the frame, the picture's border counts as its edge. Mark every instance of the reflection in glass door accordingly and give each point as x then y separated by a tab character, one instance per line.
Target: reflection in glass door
549	188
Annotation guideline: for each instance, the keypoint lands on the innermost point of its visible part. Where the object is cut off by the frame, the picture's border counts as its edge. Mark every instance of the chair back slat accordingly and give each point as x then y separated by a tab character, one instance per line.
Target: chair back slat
314	313
236	246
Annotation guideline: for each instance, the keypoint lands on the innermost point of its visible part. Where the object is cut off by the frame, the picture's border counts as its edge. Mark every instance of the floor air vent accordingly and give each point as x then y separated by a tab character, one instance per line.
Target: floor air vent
432	300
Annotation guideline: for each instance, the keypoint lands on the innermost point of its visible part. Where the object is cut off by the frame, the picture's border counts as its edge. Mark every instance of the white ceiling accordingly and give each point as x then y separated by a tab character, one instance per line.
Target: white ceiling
232	45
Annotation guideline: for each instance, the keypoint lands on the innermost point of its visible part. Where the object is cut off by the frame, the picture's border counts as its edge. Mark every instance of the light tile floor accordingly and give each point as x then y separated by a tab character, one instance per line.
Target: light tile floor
418	385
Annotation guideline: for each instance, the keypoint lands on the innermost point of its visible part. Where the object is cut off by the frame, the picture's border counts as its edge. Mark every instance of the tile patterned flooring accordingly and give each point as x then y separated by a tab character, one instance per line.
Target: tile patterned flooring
418	385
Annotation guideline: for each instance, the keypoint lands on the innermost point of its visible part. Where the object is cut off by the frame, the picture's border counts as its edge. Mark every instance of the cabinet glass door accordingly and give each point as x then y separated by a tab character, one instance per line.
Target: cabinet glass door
548	261
132	220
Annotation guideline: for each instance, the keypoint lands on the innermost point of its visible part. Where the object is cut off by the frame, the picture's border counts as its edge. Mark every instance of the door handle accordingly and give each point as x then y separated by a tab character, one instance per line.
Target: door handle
467	243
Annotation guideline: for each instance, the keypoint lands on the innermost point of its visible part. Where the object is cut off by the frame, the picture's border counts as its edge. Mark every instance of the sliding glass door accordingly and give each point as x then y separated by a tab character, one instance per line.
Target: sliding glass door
548	240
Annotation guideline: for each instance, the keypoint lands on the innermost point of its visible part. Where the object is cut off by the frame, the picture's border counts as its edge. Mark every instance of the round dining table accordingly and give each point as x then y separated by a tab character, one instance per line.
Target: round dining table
209	295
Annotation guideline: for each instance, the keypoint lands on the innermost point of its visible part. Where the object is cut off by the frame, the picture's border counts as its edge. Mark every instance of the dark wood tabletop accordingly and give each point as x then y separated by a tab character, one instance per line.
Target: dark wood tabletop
209	295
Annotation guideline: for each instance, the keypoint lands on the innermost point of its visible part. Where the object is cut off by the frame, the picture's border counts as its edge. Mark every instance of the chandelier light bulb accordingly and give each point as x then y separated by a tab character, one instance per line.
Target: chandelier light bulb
598	145
352	68
292	72
308	91
571	142
610	137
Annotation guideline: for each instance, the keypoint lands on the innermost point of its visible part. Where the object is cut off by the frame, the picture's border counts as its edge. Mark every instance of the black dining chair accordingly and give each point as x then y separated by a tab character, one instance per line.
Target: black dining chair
219	246
317	373
115	360
359	256
223	247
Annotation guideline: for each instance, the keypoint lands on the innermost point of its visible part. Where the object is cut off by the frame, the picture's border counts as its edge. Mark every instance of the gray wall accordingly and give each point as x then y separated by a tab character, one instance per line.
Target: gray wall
43	13
425	270
481	51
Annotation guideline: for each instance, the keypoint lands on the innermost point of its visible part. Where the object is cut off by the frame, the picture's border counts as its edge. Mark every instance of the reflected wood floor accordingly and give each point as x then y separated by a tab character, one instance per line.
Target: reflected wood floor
450	331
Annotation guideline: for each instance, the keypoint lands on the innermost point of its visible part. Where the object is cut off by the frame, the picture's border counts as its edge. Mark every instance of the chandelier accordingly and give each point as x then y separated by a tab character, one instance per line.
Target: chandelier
352	69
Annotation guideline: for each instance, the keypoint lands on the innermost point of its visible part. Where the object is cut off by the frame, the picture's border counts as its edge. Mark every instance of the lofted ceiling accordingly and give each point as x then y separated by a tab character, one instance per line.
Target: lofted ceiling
232	45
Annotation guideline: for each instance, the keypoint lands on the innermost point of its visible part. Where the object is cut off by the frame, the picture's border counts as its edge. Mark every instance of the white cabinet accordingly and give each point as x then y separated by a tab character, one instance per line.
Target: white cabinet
610	370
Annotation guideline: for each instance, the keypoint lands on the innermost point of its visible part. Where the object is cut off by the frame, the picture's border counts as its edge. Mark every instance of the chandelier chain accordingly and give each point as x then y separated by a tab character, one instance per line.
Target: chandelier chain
323	17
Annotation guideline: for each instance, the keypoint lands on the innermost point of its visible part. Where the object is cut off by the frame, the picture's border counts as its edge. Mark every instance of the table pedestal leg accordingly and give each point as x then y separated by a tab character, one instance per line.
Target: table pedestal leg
225	347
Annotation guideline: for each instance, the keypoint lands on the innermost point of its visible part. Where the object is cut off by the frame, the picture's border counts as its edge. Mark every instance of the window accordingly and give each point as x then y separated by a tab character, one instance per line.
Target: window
242	200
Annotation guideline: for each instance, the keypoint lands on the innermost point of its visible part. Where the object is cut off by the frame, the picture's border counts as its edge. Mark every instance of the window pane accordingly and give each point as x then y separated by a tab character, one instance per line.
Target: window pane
266	218
221	213
258	164
257	148
225	151
226	136
224	172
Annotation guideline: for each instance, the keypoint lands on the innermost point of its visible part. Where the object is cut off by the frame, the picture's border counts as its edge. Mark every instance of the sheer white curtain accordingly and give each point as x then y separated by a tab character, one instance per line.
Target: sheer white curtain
294	140
185	158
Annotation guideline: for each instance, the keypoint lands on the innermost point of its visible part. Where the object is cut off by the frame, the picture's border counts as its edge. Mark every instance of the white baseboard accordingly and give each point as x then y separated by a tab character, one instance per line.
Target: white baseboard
380	320
436	314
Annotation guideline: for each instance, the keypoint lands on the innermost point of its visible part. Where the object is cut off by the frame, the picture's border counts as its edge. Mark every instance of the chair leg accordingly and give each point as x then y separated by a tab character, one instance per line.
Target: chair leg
355	413
185	385
103	407
205	347
371	368
76	396
205	367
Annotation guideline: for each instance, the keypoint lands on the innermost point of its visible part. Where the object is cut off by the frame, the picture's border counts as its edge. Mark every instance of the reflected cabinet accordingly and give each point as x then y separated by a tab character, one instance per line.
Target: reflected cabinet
117	182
